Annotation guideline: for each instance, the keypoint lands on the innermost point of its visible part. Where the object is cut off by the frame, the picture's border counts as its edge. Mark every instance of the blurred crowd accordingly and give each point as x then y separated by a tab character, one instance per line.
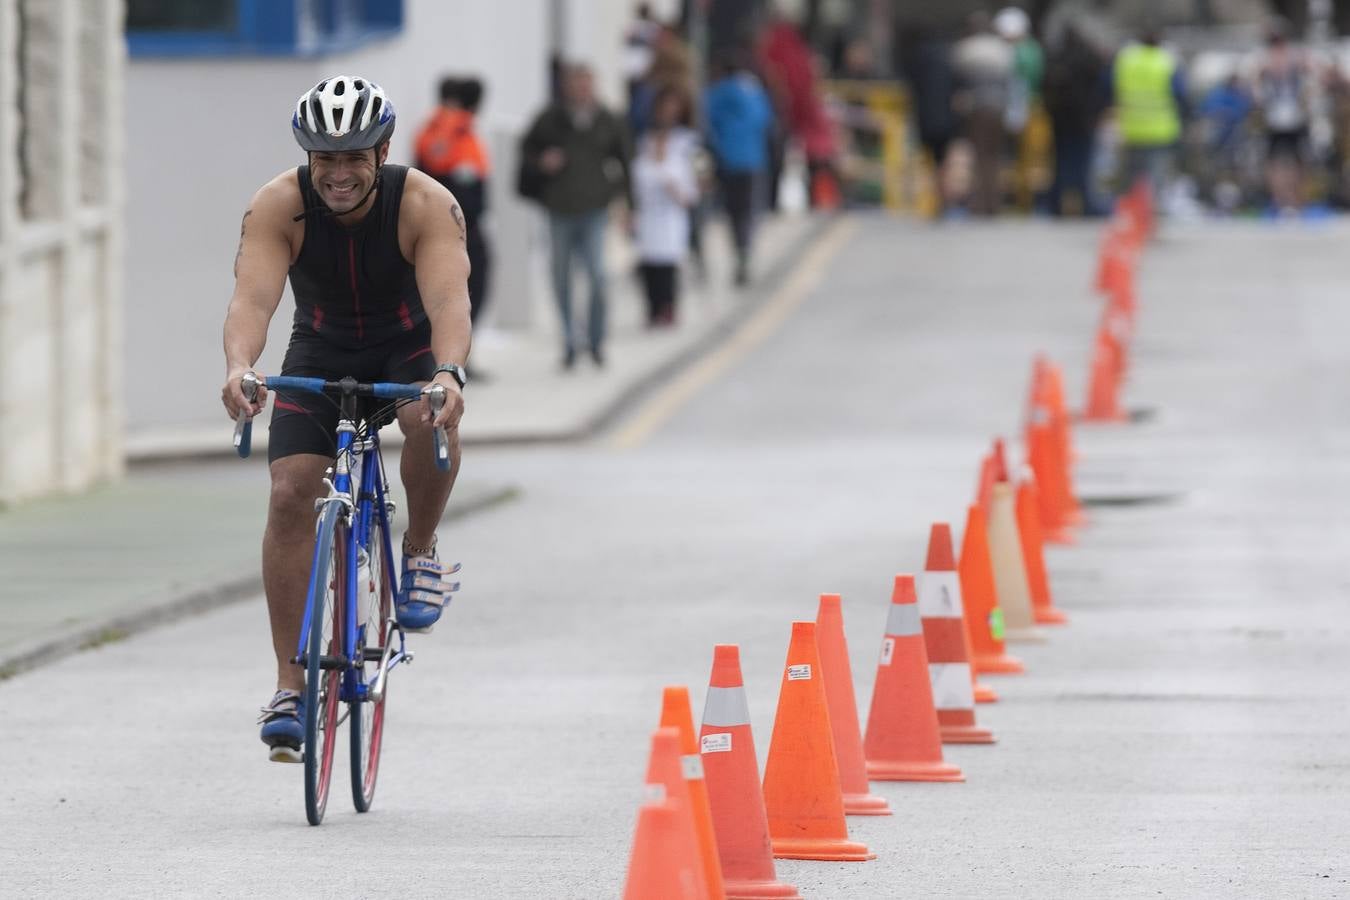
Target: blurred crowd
1005	113
1059	119
701	134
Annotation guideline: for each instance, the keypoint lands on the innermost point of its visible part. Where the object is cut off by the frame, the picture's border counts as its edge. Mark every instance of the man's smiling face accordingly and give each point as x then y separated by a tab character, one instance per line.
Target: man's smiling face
342	179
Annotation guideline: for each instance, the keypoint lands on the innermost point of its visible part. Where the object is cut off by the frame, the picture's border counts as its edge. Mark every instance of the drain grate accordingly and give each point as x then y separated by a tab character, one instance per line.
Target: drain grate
1127	500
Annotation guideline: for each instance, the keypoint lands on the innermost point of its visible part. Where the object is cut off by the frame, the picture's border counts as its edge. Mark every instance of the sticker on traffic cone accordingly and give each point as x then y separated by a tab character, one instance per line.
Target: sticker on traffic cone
731	774
1010	576
801	778
902	741
666	861
838	675
676	713
983	618
1033	554
940	609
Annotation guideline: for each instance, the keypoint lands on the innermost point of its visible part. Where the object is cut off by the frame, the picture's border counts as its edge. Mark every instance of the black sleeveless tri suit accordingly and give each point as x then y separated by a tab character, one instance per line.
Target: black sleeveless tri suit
357	313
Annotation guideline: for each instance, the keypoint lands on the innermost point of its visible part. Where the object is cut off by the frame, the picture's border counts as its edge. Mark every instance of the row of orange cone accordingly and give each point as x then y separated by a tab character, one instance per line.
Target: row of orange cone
709	826
1130	227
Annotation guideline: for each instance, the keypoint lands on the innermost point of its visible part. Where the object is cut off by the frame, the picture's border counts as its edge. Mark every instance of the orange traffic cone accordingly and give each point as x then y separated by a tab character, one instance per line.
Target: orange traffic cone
666	861
1058	508
903	742
1000	461
940	609
1010	576
983	618
1059	420
1103	402
731	773
801	778
1033	553
656	870
676	713
985	482
838	675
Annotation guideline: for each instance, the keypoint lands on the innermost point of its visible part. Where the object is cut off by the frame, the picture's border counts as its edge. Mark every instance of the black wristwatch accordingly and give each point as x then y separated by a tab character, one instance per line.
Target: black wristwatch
455	371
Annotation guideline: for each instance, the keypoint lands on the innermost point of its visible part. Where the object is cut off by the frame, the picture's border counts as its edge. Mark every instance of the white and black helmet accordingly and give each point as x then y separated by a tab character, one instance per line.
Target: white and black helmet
345	112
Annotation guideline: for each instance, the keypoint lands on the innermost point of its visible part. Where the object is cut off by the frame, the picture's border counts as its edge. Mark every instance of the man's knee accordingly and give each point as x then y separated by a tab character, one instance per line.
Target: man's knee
294	490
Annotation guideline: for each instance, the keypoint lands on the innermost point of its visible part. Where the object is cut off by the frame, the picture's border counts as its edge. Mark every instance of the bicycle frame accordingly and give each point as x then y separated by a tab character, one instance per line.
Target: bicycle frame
366	507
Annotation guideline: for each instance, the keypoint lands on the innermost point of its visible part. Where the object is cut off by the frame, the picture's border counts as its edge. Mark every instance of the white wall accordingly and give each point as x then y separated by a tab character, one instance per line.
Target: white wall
204	134
61	388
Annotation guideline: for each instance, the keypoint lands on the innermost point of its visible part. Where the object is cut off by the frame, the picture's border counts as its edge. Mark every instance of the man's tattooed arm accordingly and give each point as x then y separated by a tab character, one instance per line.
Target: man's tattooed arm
458	216
243	223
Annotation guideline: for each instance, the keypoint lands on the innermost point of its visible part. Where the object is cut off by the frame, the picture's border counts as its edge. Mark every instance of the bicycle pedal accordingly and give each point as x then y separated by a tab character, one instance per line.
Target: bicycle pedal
283	754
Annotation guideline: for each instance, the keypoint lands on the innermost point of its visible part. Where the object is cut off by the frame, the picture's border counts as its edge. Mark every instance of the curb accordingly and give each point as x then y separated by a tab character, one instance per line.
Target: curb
94	634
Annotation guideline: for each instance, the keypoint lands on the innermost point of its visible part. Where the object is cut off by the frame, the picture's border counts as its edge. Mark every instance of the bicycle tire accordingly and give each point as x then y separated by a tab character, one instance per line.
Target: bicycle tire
366	715
322	685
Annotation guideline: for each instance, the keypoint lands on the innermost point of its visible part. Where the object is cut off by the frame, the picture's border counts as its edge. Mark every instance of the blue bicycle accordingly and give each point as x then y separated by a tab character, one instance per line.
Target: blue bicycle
350	639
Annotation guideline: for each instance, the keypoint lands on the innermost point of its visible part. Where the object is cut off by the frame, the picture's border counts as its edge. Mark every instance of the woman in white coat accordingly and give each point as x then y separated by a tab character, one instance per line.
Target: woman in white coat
664	188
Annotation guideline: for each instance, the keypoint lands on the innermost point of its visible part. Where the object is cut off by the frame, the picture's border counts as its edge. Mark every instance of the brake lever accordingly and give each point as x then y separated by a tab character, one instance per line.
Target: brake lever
436	394
243	423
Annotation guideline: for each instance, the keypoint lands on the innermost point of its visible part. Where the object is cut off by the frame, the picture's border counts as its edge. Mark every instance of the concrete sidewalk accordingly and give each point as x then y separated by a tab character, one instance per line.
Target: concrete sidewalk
181	534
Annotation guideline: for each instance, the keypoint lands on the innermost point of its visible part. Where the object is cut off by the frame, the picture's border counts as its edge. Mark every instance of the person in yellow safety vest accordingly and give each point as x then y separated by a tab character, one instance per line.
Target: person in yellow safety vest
1150	103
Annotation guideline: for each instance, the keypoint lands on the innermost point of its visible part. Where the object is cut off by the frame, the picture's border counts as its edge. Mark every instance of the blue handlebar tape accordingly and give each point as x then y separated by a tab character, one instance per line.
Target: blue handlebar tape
246	439
390	391
294	383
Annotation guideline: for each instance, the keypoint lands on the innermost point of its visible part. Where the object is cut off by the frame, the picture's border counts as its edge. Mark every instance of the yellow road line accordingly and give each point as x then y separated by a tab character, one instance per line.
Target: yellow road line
764	322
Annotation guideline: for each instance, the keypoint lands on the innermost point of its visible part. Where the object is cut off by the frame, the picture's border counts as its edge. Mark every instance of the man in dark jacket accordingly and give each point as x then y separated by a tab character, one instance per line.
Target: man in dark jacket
581	152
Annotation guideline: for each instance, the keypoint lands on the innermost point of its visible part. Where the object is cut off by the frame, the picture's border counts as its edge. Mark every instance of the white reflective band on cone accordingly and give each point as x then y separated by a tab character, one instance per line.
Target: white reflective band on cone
951	685
903	620
725	707
692	765
939	595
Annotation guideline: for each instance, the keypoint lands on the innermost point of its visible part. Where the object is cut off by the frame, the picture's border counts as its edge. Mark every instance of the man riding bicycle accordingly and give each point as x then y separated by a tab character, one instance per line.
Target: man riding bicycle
378	268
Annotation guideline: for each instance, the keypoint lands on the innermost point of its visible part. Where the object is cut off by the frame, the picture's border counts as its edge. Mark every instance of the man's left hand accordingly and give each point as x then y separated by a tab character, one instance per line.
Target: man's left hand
450	414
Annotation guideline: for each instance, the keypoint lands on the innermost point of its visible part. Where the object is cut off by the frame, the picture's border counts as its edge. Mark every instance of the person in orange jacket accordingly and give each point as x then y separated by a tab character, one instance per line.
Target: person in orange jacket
449	150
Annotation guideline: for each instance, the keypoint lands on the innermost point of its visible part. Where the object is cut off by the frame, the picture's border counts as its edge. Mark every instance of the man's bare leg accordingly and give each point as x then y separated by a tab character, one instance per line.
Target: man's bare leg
288	550
428	487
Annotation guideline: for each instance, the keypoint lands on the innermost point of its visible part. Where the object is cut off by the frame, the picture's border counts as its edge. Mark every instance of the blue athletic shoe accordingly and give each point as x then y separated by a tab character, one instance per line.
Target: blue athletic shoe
424	592
283	726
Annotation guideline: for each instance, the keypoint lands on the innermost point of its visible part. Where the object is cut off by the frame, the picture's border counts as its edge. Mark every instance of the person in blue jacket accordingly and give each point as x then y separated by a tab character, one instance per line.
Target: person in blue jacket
739	117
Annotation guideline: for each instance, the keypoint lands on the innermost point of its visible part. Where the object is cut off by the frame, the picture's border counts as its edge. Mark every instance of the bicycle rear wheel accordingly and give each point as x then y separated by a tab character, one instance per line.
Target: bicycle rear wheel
375	605
327	588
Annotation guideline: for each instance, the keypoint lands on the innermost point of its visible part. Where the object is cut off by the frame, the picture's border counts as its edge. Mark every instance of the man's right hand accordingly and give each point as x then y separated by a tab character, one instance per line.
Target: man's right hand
232	394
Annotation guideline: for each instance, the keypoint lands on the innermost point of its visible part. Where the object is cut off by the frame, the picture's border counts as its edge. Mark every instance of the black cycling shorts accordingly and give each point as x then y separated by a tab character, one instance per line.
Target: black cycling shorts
307	423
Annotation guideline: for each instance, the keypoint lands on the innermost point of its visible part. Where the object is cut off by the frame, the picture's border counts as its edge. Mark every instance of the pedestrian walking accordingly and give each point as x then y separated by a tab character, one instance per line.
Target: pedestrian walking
739	117
1075	98
928	69
575	161
665	187
1282	89
449	149
1150	101
984	64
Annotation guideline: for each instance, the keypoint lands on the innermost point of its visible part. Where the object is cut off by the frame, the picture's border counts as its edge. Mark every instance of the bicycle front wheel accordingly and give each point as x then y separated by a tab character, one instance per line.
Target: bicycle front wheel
323	665
375	604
